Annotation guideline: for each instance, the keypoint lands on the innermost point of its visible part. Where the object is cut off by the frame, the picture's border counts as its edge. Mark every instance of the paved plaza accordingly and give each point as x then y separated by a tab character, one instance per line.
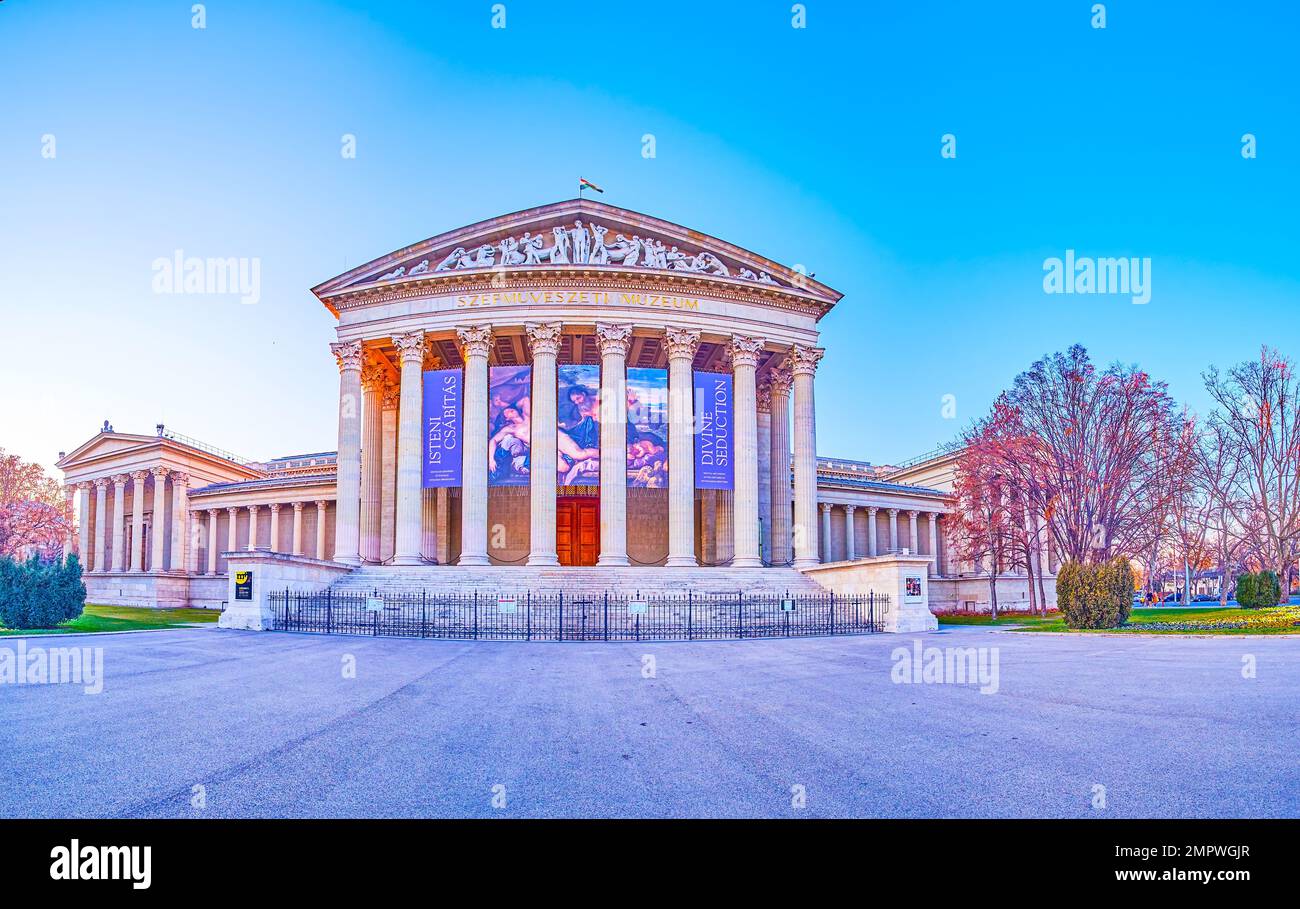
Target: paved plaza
275	725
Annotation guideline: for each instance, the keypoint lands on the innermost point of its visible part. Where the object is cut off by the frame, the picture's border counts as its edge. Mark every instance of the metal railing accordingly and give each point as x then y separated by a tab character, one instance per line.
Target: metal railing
557	616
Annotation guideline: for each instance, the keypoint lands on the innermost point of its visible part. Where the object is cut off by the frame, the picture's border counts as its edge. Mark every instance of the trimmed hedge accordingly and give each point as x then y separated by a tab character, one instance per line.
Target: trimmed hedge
1258	590
34	595
1095	596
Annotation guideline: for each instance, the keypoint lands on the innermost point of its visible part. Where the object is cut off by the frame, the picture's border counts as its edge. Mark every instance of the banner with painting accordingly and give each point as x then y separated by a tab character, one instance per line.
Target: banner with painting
442	443
647	428
578	425
509	423
714	425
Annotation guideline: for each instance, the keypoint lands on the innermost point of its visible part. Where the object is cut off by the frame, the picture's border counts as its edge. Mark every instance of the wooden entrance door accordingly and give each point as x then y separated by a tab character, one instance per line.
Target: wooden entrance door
577	530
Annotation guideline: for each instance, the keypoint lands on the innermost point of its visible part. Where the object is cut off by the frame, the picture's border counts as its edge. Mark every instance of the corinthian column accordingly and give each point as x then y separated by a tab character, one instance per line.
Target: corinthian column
212	540
476	343
410	349
779	382
180	521
297	528
275	526
871	531
914	541
119	522
232	529
84	548
348	512
803	364
934	542
159	528
614	341
138	479
827	555
744	521
252	527
893	531
372	460
681	344
544	342
101	523
320	529
850	548
764	417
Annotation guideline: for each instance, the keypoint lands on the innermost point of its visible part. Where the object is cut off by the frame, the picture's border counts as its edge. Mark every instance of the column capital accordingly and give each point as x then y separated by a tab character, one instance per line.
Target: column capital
849	509
390	396
232	510
778	380
213	512
139	476
120	479
872	510
101	482
475	340
614	339
681	343
298	506
180	479
803	360
348	354
253	508
84	485
544	337
320	503
410	347
893	512
763	397
912	513
160	473
745	350
274	506
826	507
431	359
373	377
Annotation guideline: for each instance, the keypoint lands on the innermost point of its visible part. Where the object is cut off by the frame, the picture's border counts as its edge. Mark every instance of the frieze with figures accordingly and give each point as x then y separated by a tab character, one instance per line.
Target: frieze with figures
581	244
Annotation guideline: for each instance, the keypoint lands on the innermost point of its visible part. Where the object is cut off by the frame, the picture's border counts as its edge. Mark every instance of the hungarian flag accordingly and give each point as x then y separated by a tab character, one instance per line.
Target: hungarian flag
584	183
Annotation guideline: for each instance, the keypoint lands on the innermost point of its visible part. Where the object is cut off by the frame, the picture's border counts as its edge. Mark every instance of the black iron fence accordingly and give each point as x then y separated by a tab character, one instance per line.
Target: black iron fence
531	616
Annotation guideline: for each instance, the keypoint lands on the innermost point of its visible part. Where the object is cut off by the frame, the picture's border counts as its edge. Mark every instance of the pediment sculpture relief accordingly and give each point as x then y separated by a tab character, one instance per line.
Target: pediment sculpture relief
581	244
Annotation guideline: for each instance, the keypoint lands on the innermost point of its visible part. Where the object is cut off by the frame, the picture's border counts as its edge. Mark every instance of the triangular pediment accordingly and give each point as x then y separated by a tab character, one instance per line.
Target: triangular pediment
105	443
578	234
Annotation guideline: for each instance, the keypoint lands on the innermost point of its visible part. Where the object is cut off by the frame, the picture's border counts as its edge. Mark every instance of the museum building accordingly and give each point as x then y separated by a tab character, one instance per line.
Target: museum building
574	394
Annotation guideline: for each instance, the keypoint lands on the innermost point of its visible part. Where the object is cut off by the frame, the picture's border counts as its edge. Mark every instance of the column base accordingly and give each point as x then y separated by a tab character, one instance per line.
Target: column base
354	561
681	562
544	560
748	562
407	560
612	562
805	563
473	559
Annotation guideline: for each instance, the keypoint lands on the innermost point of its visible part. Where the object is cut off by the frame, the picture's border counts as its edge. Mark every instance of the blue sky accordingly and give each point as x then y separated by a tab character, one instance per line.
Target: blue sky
818	146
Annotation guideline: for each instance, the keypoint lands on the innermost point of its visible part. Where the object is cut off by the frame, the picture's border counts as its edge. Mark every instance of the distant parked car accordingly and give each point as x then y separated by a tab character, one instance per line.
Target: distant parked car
1204	598
1170	598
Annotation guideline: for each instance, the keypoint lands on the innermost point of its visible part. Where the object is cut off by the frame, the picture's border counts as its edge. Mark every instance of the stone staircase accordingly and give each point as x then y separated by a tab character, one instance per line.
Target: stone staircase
591	580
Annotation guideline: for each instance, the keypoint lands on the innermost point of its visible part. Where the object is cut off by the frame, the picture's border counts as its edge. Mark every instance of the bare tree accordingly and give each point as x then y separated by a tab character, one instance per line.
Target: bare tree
1258	419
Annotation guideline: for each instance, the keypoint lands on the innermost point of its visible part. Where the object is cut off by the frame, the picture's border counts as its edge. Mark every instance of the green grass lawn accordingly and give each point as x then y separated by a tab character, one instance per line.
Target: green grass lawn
125	618
1279	620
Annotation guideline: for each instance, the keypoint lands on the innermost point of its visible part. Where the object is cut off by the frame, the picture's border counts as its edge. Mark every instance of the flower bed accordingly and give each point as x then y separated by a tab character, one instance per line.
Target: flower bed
1266	620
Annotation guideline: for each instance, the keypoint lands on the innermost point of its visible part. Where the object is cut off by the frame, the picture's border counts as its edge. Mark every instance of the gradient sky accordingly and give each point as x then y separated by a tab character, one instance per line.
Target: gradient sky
818	146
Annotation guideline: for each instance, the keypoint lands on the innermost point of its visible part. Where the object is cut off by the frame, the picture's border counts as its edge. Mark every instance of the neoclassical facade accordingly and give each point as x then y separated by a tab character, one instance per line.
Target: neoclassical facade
581	342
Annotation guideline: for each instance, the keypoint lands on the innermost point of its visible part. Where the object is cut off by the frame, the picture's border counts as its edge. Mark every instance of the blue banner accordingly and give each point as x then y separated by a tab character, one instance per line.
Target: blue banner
443	392
647	428
713	431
